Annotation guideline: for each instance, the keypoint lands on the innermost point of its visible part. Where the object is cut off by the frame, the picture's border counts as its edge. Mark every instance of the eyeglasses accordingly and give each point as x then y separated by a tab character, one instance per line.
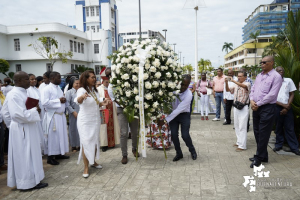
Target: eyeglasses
264	62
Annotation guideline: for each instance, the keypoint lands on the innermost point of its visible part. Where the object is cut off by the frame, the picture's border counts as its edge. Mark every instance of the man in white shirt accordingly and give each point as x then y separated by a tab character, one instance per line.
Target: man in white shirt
284	115
181	116
228	98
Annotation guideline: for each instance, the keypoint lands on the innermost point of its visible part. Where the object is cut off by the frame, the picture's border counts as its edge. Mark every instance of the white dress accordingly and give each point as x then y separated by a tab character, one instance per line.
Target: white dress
34	93
88	124
25	165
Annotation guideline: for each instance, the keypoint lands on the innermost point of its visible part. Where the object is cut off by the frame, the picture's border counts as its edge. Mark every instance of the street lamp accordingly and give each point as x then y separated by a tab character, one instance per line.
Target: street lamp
165	30
174	46
195	4
180	57
183	61
140	22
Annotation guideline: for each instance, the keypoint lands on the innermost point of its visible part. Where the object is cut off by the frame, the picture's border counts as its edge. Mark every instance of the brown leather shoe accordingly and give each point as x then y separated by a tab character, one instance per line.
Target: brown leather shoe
239	150
235	145
124	160
3	167
134	153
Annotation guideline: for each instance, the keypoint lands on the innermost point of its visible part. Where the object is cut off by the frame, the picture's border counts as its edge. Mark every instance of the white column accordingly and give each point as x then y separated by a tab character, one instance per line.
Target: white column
196	57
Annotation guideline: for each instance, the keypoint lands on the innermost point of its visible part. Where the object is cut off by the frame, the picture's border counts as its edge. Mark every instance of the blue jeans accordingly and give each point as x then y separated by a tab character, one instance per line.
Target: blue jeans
285	127
219	99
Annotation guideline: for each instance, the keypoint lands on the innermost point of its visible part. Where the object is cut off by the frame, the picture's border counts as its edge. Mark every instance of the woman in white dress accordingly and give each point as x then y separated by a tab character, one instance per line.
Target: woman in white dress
88	120
34	93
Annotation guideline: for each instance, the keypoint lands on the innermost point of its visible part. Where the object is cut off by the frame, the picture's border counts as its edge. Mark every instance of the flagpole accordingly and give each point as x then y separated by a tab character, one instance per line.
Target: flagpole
196	57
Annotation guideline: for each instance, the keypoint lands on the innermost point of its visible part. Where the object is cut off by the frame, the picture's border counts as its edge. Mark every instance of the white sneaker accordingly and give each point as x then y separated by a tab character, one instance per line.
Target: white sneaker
85	175
216	119
97	167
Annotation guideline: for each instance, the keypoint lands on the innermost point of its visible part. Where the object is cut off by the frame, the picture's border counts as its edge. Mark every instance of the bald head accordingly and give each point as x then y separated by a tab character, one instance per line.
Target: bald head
230	72
270	58
22	79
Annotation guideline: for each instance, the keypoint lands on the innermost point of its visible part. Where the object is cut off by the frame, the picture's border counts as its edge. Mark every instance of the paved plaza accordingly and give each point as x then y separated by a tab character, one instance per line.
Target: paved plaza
216	174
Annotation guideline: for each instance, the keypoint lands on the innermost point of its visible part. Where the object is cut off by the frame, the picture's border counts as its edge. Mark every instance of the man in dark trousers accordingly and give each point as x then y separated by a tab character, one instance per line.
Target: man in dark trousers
263	100
181	115
285	116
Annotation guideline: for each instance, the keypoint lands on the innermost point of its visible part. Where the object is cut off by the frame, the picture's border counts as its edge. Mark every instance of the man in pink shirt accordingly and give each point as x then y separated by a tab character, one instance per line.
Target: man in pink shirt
218	87
263	100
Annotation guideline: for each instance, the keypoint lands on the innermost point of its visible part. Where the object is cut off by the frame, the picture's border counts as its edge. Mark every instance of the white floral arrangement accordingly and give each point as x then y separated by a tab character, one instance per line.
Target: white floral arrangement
162	75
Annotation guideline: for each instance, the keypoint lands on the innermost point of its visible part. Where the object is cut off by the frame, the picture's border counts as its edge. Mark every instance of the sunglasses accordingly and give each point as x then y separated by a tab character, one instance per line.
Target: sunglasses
264	62
108	75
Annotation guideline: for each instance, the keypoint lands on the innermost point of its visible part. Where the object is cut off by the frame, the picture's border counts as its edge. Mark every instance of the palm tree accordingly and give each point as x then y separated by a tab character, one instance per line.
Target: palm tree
203	65
80	69
188	68
254	36
227	46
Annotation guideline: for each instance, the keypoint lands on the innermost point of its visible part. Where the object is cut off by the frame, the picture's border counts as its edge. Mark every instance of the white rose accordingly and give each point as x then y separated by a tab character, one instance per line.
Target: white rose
169	61
118	81
152	110
123	60
152	52
156	63
170	94
134	78
148	40
117	71
146	105
135	90
113	75
160	93
159	52
137	70
168	74
129	53
155	105
147	66
125	76
148	85
137	98
113	67
128	93
163	84
136	105
117	60
129	66
171	85
143	42
136	59
126	84
157	75
148	96
146	76
152	69
177	91
155	84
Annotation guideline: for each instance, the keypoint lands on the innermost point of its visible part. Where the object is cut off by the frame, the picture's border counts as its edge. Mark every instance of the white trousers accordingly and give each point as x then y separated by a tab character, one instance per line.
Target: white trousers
240	125
204	103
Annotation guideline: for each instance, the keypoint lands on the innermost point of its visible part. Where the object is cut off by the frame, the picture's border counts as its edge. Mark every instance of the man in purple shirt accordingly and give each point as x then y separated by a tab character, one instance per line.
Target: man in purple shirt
263	100
181	115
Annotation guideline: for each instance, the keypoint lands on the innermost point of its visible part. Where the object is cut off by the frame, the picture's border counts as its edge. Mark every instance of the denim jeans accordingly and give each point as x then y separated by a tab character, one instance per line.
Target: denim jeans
219	99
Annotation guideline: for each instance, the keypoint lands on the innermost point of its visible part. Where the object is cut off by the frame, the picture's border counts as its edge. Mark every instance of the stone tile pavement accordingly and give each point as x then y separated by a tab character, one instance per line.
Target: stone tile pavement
216	174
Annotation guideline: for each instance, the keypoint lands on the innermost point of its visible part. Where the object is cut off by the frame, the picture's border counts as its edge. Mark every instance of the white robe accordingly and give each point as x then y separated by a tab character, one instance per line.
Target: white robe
41	89
103	127
88	124
54	122
33	92
6	89
25	166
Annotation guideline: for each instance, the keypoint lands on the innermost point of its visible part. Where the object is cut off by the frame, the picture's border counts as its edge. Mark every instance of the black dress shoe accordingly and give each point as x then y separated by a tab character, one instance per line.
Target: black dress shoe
52	162
277	149
177	157
225	123
40	185
62	157
104	149
194	156
296	152
257	163
252	159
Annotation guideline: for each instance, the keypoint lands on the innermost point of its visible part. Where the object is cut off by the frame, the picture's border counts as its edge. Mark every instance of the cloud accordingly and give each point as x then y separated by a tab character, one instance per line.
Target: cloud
221	21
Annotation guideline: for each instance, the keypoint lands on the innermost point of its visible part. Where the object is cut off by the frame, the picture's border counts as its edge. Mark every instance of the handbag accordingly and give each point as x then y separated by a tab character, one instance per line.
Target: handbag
104	115
239	105
208	90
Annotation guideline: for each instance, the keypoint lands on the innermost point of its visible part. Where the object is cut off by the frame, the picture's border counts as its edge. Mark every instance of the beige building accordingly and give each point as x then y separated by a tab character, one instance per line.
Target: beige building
246	53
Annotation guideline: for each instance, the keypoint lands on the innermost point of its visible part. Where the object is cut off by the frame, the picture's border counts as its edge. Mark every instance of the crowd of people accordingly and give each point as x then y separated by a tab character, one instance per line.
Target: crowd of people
85	116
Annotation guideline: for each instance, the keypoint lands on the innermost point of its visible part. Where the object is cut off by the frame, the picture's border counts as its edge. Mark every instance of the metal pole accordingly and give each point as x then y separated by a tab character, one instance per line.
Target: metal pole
180	58
196	58
183	61
165	30
140	20
174	48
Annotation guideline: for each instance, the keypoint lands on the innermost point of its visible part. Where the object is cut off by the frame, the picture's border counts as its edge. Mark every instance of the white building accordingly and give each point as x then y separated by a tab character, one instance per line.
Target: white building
90	47
129	36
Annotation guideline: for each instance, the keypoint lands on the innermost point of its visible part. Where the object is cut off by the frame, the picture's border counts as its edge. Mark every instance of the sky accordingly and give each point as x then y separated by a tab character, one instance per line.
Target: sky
220	21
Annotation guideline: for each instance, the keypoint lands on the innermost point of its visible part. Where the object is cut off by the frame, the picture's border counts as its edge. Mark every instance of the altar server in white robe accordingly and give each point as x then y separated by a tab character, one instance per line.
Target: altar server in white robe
46	81
34	93
25	166
54	122
88	120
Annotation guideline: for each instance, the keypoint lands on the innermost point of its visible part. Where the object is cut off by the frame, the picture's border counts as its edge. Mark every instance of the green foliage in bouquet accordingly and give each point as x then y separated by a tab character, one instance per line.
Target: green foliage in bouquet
162	74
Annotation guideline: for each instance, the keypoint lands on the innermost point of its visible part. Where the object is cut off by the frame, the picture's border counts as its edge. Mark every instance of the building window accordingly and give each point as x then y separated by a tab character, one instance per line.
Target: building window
78	47
71	45
96	48
112	13
97	11
49	67
87	28
17	44
124	40
72	68
98	28
75	46
82	48
18	67
97	69
93	28
92	11
87	10
113	34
